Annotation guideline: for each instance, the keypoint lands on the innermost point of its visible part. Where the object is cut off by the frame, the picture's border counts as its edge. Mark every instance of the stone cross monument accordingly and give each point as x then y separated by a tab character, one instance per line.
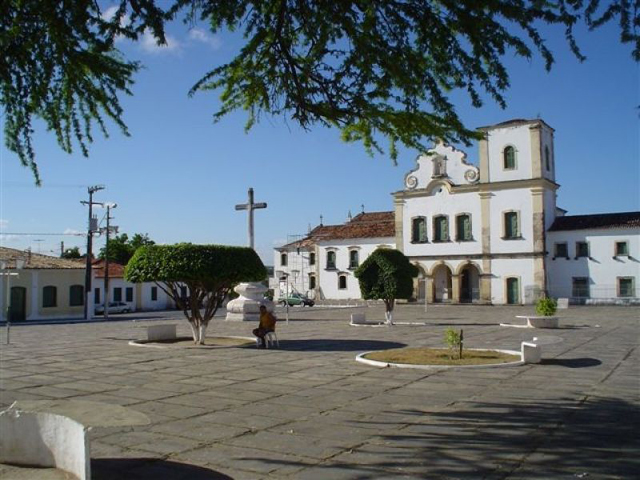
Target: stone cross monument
247	306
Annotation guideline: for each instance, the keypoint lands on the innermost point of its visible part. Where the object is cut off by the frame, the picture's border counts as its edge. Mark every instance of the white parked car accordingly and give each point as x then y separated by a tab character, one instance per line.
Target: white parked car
114	307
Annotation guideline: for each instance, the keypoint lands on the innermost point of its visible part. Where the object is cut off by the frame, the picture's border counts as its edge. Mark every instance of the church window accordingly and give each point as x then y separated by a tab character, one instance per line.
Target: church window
49	297
511	225
463	228
117	294
622	249
561	250
312	258
441	229
509	155
331	260
354	260
580	287
582	249
419	230
547	158
342	282
283	259
312	281
625	287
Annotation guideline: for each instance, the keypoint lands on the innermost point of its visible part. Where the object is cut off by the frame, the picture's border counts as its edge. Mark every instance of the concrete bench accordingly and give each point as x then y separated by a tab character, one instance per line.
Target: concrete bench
358	319
532	350
161	332
563	303
539	322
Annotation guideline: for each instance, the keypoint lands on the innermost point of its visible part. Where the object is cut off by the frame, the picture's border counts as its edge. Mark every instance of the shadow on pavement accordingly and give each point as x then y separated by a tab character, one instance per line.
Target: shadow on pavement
331	345
150	469
505	439
572	362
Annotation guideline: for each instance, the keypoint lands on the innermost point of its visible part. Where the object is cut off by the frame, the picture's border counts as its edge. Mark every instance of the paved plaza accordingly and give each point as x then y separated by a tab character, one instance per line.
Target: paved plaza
308	411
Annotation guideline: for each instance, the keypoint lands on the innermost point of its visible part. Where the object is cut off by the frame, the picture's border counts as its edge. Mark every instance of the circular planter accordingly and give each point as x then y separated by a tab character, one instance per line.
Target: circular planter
376	363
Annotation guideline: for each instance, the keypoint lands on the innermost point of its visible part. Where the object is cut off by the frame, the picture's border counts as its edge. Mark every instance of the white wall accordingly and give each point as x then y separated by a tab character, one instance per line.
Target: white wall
329	278
442	203
508	200
504	268
518	137
601	269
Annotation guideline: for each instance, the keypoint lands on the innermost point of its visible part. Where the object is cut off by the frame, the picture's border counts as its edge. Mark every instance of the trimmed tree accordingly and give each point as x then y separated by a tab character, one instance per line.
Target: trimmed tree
208	272
386	275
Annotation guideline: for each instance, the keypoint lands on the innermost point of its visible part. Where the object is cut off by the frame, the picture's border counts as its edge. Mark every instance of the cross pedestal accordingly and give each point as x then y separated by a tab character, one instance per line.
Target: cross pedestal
246	308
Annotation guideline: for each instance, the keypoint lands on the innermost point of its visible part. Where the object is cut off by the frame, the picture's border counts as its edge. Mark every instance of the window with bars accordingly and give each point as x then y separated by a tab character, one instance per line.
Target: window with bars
561	250
463	228
354	259
76	295
441	229
626	287
582	249
117	294
342	282
419	230
49	296
331	260
511	225
580	287
622	249
509	158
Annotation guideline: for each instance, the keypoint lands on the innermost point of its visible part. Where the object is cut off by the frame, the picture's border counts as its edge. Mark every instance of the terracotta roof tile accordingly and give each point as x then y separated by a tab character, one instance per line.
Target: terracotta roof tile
115	269
37	261
597	221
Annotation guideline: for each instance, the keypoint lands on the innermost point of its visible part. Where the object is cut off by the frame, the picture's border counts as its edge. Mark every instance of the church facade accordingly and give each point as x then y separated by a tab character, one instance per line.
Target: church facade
491	233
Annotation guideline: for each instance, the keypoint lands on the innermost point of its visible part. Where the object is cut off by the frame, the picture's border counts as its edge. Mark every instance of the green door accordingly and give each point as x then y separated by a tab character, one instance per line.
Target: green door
18	305
513	291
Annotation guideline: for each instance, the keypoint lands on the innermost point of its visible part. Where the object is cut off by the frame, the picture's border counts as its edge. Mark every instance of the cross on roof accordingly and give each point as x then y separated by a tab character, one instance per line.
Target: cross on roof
251	206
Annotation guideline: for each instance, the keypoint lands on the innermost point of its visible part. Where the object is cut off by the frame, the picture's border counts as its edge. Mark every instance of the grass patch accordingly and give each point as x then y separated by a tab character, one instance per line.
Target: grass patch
208	342
440	356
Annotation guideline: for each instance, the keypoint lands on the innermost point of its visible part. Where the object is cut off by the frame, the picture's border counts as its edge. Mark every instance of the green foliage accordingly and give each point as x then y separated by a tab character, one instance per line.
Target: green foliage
208	271
386	275
121	249
546	307
71	253
366	68
453	339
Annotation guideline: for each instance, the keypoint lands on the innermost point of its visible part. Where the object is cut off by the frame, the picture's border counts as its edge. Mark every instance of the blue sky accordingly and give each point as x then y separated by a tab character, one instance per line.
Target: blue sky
179	176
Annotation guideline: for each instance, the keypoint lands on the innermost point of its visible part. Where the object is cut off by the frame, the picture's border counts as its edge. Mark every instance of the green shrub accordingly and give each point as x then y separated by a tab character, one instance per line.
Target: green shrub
453	340
546	307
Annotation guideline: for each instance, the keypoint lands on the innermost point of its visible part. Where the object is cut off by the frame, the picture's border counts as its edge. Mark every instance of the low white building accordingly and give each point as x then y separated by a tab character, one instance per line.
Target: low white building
322	264
484	234
595	258
139	296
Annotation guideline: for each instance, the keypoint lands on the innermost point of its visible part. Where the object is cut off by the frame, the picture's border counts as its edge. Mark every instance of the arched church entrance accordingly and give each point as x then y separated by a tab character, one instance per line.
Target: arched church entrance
420	289
442	284
469	284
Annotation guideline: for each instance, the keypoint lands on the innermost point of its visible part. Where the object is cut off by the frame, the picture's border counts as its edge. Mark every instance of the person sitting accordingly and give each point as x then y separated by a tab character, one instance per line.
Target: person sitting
267	324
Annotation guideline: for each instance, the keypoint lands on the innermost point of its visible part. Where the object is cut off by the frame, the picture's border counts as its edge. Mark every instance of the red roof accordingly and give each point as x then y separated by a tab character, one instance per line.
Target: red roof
115	269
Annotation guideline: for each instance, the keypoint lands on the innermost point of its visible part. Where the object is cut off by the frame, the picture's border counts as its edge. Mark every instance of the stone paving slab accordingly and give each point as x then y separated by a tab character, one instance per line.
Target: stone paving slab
308	410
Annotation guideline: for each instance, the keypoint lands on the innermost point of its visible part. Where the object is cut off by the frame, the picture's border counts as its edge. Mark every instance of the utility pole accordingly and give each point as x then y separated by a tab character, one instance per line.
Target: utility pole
92	227
106	261
61	249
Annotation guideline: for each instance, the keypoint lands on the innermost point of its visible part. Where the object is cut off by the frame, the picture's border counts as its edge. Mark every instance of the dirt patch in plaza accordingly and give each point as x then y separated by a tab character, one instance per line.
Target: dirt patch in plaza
441	356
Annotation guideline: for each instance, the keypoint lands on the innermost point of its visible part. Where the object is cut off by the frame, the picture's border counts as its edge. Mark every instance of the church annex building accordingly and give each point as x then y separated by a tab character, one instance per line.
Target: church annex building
491	234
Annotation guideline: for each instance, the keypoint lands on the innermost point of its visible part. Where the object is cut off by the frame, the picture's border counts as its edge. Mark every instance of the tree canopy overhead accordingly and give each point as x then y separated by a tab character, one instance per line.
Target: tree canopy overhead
370	68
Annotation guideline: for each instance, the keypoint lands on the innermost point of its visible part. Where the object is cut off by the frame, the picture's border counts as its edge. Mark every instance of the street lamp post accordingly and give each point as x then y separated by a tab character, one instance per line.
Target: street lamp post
5	267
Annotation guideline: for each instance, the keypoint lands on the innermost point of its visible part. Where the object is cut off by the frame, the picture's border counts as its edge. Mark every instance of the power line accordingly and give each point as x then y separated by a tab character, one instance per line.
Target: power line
78	234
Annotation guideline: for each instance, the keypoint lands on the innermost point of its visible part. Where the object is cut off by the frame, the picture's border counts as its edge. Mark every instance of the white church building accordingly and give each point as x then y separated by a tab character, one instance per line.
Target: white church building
487	234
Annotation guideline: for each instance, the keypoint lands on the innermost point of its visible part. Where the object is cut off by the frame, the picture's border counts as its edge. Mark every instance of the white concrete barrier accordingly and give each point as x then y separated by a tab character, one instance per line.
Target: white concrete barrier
40	439
563	303
161	332
540	322
531	352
